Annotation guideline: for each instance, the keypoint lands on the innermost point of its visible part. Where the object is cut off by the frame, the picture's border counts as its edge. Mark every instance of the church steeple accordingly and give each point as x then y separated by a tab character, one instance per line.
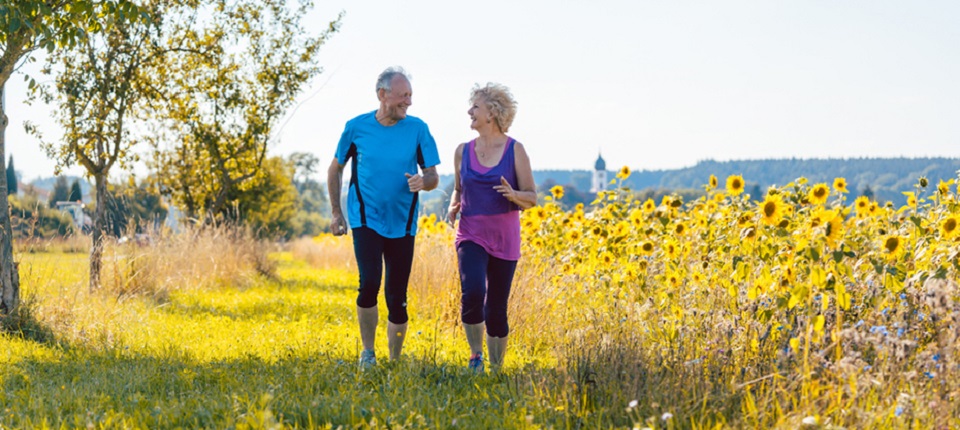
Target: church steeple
599	175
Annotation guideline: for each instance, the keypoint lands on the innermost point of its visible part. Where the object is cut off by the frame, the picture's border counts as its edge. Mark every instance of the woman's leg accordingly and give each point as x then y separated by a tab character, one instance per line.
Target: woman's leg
499	281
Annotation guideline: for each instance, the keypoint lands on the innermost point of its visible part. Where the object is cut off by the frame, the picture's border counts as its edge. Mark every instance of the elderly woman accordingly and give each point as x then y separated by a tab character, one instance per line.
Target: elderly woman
493	183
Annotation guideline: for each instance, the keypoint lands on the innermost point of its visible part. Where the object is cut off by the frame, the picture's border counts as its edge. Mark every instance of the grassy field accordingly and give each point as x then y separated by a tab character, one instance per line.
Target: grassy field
799	308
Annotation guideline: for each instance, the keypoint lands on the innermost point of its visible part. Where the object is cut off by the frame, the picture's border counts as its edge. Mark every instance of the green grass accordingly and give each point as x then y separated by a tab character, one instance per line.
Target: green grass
281	353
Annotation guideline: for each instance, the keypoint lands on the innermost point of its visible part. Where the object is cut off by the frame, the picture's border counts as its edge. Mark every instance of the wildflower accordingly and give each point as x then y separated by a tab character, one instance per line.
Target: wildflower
818	194
771	209
624	173
899	411
948	228
735	185
557	192
666	416
633	403
810	421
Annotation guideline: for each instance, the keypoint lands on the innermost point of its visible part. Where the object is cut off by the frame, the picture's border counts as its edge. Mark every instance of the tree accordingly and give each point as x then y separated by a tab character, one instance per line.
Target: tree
60	193
867	192
25	26
242	66
270	205
11	178
99	85
76	194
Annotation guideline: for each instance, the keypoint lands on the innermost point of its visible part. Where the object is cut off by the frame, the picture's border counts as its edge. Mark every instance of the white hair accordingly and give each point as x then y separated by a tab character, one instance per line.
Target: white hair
386	77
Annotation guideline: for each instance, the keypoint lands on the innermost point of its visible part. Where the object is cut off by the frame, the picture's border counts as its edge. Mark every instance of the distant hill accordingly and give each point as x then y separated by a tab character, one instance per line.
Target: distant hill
886	177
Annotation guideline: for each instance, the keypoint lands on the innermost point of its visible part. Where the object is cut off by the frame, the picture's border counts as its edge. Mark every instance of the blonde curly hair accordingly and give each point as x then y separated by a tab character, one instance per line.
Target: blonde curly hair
498	101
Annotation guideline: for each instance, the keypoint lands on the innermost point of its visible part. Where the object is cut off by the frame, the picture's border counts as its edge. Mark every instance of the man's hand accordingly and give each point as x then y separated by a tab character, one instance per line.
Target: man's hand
338	225
415	182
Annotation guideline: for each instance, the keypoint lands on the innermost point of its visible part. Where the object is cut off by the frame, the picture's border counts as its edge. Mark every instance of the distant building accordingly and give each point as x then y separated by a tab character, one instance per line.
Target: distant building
81	221
599	175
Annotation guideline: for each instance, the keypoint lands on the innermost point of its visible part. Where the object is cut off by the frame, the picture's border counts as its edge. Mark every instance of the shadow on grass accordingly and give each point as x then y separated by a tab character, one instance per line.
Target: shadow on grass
24	324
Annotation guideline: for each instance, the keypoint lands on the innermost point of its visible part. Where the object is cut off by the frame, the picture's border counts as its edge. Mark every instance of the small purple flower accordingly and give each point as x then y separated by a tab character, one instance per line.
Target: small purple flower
903	296
858	324
936	357
899	411
930	375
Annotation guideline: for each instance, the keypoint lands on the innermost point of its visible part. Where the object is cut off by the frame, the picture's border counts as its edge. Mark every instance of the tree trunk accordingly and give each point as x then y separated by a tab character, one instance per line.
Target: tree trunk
99	226
9	278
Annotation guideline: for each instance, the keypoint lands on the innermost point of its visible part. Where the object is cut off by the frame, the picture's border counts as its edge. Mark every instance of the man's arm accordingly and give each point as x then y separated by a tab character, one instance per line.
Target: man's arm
338	225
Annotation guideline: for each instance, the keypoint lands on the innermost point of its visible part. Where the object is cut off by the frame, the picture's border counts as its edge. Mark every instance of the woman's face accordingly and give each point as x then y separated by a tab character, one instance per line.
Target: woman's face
480	115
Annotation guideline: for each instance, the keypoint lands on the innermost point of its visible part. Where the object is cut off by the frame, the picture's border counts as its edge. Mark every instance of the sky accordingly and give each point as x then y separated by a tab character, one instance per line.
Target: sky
647	84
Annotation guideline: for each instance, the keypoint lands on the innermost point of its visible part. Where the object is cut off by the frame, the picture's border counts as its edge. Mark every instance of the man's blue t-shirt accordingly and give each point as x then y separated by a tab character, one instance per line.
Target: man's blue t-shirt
379	196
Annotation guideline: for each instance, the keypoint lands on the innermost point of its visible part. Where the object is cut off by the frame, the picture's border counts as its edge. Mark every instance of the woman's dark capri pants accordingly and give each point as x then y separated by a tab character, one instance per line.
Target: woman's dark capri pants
485	286
374	254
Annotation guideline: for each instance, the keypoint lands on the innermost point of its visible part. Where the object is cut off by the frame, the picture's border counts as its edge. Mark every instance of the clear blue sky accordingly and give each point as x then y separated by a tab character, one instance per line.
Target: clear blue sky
651	84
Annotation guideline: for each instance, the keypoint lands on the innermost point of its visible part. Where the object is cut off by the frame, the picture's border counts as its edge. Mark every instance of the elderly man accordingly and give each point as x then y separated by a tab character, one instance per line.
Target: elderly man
386	146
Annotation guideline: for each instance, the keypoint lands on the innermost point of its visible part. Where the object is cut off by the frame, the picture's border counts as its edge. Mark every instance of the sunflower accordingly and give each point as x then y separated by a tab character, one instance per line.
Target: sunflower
923	182
557	191
713	182
671	249
840	185
745	218
624	173
944	187
646	248
834	230
892	246
948	228
680	229
649	206
911	198
862	206
606	258
771	210
818	194
635	216
574	236
621	229
735	185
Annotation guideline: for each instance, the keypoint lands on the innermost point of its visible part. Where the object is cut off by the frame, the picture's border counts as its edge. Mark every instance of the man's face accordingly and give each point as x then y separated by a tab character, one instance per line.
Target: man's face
394	103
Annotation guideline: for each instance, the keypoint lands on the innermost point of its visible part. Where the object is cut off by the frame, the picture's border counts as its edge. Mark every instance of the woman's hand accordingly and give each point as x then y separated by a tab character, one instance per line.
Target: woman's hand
452	213
506	190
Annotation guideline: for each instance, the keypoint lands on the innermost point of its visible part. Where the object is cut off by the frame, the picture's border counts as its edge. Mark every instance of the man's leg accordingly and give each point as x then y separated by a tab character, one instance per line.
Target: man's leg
398	259
368	248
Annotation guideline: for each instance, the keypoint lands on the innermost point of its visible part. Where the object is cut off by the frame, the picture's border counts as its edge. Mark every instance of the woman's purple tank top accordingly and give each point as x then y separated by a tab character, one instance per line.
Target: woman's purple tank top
486	217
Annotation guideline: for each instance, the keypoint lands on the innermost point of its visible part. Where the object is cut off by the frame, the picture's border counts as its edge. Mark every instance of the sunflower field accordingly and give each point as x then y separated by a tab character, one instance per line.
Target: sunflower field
799	307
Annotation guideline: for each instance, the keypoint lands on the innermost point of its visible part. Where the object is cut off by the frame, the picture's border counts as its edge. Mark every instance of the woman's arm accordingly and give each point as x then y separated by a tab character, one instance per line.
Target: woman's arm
526	195
454	207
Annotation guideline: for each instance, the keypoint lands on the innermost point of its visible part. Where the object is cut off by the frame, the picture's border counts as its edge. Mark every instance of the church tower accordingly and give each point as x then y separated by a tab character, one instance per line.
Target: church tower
599	175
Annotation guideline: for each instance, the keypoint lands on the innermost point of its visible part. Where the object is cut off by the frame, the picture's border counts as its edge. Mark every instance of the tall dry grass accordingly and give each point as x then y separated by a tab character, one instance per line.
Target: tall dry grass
199	257
57	299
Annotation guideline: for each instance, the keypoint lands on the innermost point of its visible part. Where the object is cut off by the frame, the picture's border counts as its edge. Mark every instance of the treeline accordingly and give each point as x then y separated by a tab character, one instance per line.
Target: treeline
882	179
